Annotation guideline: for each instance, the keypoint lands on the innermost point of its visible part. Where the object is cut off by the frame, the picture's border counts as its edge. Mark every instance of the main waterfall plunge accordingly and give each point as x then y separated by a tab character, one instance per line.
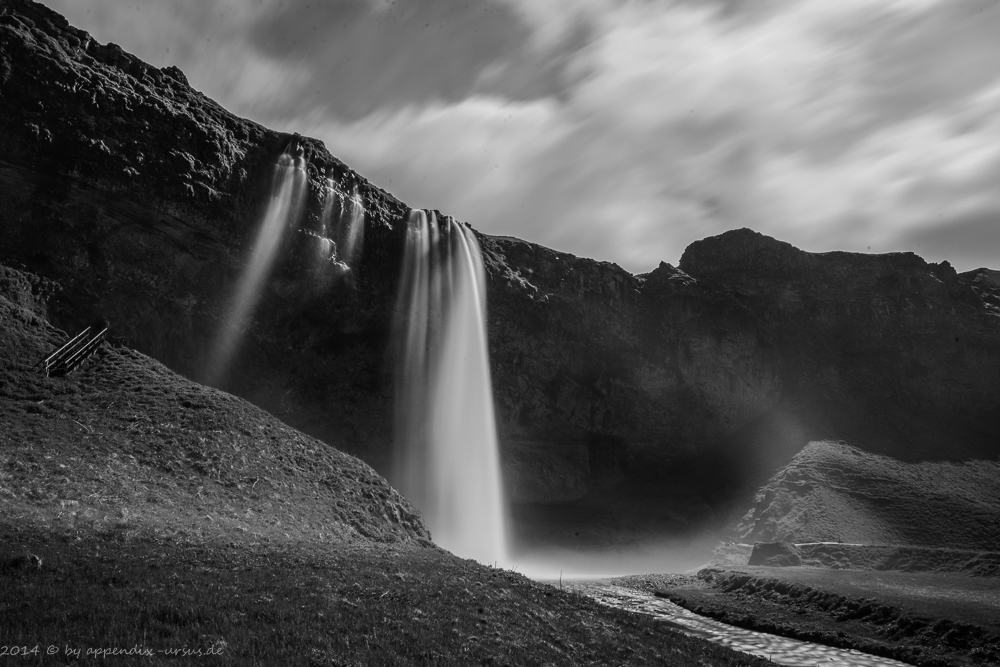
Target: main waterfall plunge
447	462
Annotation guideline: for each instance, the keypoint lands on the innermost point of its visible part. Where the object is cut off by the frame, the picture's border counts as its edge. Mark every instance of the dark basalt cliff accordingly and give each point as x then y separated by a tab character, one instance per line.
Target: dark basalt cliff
140	196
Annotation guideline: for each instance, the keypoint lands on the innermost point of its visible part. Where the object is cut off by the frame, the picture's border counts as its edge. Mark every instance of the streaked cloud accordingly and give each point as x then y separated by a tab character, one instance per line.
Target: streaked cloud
365	57
625	129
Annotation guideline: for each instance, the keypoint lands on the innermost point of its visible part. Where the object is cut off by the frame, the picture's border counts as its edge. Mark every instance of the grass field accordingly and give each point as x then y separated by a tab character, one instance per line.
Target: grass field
940	595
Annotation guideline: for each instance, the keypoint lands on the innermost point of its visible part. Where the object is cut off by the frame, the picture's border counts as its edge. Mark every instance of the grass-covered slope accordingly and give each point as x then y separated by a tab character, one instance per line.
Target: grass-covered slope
124	445
834	492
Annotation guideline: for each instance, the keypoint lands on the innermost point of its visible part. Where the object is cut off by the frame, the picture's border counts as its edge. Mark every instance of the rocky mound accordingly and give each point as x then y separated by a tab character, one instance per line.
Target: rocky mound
140	197
832	492
124	446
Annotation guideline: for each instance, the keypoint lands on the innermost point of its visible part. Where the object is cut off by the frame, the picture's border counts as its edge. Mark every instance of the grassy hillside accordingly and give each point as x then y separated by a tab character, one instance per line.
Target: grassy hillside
834	492
142	512
126	445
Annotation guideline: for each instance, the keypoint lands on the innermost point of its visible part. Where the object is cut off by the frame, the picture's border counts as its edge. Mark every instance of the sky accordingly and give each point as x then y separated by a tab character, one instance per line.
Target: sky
624	130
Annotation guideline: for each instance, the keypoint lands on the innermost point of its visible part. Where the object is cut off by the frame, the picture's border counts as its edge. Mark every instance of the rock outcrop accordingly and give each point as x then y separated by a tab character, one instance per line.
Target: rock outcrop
124	435
832	492
140	197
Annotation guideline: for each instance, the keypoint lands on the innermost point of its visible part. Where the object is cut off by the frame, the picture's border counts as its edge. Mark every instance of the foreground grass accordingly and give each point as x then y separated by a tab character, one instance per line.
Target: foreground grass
307	604
961	598
924	619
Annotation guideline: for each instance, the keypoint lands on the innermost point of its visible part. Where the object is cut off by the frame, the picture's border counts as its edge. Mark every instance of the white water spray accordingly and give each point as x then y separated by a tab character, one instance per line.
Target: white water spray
447	460
288	192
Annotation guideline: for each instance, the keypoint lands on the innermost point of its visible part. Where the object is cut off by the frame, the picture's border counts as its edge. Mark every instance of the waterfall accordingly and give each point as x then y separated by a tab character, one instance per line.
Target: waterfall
350	233
447	461
288	191
342	224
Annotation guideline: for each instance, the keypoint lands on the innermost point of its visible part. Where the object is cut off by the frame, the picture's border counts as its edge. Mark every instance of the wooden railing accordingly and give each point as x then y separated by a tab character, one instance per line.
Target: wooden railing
69	357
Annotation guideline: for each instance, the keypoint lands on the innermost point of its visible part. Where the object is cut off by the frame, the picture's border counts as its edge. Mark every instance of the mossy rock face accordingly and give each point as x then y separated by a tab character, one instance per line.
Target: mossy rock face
140	197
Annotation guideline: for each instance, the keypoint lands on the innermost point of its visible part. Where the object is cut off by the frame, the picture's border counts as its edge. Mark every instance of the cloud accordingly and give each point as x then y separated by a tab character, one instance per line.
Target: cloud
205	40
919	176
369	57
625	130
354	49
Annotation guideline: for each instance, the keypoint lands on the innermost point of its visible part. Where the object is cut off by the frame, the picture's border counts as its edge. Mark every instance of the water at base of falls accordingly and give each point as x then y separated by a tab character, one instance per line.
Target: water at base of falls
288	192
447	460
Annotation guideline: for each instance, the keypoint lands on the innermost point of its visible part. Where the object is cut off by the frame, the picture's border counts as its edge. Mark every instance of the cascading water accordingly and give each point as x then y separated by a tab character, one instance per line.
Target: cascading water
288	192
337	240
343	221
447	461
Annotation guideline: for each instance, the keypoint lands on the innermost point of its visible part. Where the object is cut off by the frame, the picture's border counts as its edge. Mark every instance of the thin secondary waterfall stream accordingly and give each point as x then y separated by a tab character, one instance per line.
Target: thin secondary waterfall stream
342	223
288	193
447	461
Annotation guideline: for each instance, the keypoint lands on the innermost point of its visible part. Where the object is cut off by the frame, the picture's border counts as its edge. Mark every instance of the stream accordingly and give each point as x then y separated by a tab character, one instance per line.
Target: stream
780	650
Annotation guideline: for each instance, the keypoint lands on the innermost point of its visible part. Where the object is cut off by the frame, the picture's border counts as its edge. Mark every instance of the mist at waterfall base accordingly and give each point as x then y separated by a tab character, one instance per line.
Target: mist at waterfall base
289	187
651	554
447	461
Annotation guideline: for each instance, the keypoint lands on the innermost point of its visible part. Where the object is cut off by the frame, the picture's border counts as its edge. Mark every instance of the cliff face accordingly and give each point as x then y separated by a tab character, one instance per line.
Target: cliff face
140	197
618	376
898	354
